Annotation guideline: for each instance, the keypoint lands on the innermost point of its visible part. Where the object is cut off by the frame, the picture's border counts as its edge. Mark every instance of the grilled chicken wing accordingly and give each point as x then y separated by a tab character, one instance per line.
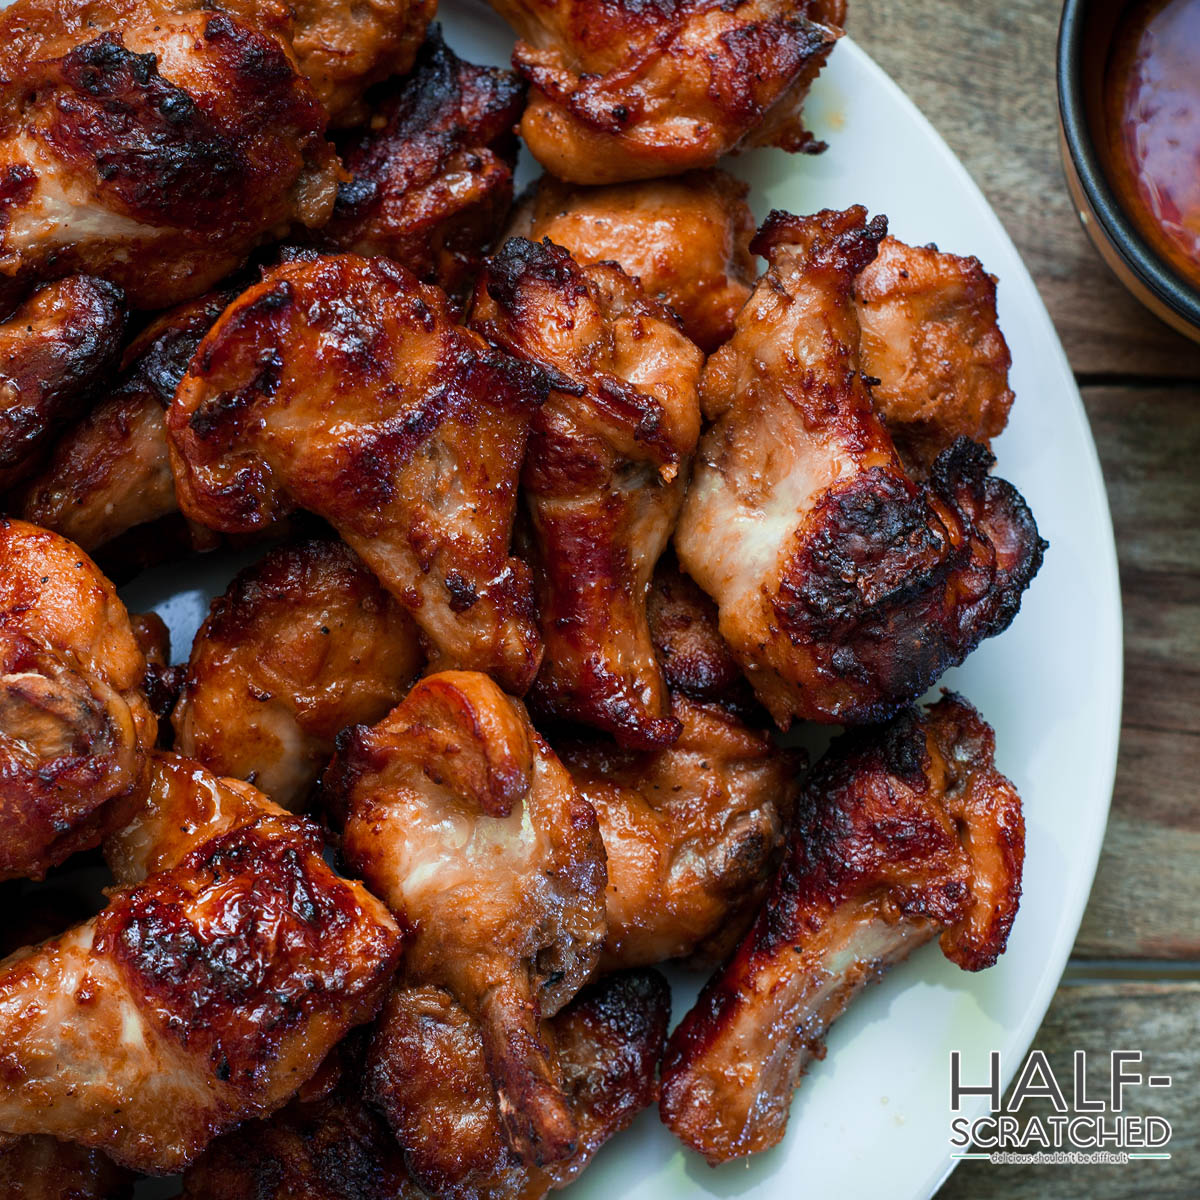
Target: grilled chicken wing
342	385
54	351
604	477
202	996
156	152
686	239
43	1168
74	725
432	174
301	645
460	816
628	90
902	833
111	471
844	588
692	833
931	339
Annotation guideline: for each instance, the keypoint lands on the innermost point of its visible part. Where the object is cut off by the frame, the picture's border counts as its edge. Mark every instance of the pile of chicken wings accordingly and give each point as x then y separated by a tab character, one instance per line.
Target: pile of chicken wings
563	509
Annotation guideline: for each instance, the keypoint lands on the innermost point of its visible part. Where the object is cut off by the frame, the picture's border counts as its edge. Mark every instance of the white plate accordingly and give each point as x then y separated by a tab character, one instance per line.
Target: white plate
873	1118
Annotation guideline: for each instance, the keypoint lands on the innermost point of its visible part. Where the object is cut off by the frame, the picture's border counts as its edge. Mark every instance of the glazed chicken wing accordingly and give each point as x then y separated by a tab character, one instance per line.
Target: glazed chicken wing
686	239
200	997
432	174
902	833
55	349
604	477
459	815
156	153
342	385
74	725
844	588
301	645
42	1168
627	90
931	339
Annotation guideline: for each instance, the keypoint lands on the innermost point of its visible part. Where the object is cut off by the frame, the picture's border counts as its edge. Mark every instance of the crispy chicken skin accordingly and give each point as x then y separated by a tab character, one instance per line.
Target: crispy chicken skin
110	472
74	725
628	90
931	338
604	477
342	385
156	154
459	815
902	833
200	997
686	239
55	349
844	588
692	833
42	1168
301	645
431	176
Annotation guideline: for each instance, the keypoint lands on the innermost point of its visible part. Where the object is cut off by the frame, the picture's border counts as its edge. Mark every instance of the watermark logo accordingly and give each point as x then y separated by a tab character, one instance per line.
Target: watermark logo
1078	1128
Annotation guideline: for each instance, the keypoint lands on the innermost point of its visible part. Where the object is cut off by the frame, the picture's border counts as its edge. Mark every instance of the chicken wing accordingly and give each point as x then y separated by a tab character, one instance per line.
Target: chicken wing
844	588
200	997
342	385
686	239
301	645
692	833
42	1168
74	725
156	152
626	90
931	339
54	351
432	174
604	477
459	815
902	833
110	472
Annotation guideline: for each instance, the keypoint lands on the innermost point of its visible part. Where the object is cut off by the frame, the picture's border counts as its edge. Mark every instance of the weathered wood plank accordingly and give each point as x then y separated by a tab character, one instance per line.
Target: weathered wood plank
984	75
1159	1019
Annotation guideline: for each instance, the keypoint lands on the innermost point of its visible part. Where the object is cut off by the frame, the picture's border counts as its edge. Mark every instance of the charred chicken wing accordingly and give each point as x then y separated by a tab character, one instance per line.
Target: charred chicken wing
902	833
459	815
342	385
631	90
844	588
604	477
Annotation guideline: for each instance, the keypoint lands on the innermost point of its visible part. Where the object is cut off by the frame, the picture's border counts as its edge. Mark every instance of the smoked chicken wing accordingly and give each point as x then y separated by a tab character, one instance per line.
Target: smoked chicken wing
844	587
342	385
301	645
931	339
902	834
432	174
686	239
457	813
74	724
629	90
604	476
43	1168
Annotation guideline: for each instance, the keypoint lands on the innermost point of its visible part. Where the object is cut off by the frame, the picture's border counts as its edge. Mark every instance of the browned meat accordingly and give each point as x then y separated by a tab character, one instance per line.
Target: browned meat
686	239
342	385
632	90
74	725
460	816
153	149
162	682
432	174
41	1168
902	833
844	588
301	645
200	997
931	339
604	477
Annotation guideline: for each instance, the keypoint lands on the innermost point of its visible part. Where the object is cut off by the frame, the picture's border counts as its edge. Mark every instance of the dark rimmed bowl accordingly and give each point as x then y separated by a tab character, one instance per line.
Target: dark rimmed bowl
1084	41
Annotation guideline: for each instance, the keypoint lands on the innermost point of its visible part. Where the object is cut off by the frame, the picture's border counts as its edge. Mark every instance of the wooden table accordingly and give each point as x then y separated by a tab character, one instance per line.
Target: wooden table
983	72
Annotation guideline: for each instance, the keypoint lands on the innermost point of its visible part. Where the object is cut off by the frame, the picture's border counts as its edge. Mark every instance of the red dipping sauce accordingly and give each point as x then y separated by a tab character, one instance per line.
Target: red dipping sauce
1152	102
